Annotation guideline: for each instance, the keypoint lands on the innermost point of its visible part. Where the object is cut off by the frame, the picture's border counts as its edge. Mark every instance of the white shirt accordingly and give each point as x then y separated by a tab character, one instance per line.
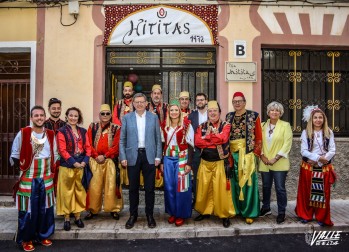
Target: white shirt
141	129
318	148
202	117
189	138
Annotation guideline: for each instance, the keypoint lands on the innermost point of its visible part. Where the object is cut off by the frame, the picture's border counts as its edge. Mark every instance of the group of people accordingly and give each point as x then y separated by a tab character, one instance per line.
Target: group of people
204	162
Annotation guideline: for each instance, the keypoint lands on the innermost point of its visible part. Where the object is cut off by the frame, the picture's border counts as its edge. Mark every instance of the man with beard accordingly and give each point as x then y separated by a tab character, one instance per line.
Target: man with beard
34	151
245	147
156	105
213	194
55	109
123	106
184	100
104	137
197	117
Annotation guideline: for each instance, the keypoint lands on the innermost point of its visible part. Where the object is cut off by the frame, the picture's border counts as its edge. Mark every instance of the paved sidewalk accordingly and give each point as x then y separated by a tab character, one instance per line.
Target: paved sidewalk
104	227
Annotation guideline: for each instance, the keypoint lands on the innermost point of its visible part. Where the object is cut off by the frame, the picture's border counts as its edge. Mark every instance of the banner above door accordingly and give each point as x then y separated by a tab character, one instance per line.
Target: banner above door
179	25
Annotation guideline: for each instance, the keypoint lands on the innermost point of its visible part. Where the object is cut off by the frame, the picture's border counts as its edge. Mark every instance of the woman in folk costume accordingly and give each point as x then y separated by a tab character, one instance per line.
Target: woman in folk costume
316	171
277	142
179	141
75	151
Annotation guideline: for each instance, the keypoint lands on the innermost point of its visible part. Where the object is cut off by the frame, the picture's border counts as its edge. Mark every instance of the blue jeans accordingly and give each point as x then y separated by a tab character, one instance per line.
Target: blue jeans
279	178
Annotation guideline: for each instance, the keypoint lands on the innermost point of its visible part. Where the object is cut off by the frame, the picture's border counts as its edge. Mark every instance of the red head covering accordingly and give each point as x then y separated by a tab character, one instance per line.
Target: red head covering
236	94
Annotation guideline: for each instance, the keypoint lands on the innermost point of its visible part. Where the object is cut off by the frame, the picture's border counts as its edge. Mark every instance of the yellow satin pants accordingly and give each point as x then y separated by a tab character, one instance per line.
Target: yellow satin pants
104	179
71	195
212	196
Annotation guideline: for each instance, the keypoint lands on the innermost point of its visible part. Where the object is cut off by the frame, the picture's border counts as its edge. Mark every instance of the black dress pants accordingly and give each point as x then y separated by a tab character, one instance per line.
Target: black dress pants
148	171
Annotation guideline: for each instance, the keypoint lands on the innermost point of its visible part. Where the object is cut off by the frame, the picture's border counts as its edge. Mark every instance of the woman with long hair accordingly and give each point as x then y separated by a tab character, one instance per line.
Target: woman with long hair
75	151
316	171
179	141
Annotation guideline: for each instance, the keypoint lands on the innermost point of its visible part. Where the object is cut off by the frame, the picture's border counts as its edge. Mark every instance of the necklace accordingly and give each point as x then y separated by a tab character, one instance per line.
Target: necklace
271	130
38	144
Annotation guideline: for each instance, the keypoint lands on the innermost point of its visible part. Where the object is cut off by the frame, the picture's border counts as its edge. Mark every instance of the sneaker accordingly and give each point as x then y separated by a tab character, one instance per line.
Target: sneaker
46	242
265	212
280	219
304	221
28	246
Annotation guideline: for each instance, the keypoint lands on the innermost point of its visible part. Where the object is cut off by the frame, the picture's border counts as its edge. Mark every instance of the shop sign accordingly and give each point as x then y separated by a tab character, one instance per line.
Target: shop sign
241	71
161	25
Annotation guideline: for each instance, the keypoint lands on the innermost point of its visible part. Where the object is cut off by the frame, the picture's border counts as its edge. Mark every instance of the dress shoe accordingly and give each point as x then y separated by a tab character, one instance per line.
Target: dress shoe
66	225
179	222
28	246
226	222
249	220
89	216
46	242
151	221
171	219
131	222
79	223
280	218
201	217
115	215
265	212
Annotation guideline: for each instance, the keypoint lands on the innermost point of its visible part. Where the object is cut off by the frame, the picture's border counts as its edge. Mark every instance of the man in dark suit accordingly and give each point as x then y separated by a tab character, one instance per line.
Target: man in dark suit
197	117
140	150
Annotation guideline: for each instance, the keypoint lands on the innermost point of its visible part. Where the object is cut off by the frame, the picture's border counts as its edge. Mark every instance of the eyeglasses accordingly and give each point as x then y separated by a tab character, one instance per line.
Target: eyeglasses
184	99
139	102
200	99
238	101
105	114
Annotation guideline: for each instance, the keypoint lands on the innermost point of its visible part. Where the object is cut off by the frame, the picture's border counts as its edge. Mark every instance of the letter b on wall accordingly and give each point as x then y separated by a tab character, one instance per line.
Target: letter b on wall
240	49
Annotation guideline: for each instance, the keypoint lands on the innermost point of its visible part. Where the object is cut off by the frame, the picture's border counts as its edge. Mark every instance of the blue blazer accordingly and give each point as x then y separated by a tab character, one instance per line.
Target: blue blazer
129	138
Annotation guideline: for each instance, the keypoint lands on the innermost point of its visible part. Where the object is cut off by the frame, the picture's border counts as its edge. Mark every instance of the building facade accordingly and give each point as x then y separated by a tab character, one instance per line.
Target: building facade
82	52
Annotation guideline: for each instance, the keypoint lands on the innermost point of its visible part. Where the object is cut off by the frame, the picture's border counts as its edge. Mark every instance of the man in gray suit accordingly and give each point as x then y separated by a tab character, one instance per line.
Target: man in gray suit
140	150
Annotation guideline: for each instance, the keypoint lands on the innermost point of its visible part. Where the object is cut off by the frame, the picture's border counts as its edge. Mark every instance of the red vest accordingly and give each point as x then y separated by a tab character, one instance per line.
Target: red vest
26	155
180	136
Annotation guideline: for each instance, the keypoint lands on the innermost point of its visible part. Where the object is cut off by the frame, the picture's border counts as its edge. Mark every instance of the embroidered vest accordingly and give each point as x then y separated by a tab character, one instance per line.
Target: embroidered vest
121	108
181	134
26	155
70	143
95	126
251	117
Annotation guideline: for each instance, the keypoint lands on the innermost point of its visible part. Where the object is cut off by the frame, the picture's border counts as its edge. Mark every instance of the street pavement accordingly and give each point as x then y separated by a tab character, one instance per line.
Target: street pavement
103	227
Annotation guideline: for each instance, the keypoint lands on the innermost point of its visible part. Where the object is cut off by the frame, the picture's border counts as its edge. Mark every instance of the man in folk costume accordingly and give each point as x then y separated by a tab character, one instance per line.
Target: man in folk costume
104	137
213	194
55	109
245	147
158	107
121	108
34	150
184	100
54	123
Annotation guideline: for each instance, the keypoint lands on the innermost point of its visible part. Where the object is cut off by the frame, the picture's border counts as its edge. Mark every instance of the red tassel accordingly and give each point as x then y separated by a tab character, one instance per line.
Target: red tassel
228	185
87	201
117	192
